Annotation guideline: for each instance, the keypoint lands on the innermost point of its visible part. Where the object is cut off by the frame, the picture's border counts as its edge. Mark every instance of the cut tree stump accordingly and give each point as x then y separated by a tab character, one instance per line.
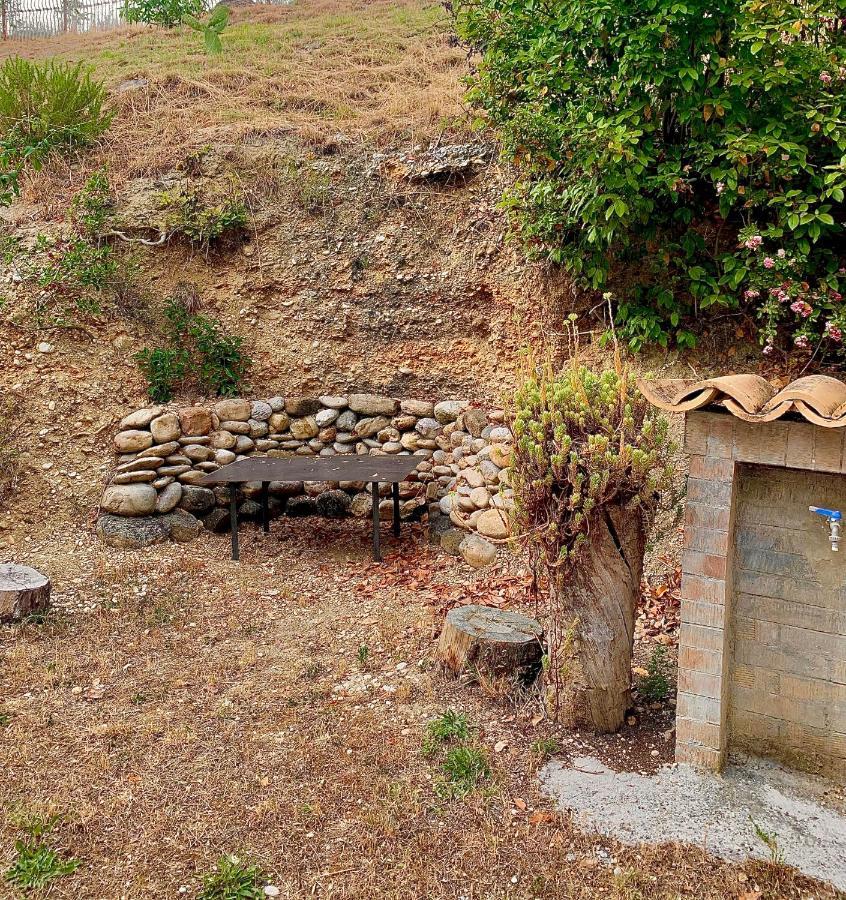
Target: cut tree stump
494	642
23	592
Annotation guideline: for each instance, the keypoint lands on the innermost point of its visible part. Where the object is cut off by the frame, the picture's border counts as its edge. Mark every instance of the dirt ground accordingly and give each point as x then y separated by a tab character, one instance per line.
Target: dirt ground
177	706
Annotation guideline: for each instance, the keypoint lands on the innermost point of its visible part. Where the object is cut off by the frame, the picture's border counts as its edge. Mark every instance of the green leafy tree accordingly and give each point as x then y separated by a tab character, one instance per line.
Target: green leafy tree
658	142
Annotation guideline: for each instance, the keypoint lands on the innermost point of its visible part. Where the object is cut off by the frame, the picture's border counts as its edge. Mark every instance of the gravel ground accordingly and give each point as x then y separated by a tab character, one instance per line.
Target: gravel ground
803	817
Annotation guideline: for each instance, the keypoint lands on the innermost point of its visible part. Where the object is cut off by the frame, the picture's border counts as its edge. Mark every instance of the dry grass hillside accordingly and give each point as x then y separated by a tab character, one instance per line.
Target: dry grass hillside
350	276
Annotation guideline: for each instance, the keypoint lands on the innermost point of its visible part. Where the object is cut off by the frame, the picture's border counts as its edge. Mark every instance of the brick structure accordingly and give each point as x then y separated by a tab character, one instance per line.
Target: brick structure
762	646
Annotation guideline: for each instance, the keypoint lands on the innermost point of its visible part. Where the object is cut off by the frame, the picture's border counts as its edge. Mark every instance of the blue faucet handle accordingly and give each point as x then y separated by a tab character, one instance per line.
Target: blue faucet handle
834	514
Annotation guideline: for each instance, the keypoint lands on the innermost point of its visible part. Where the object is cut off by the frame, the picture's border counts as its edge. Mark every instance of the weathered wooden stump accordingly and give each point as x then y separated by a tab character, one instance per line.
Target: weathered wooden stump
494	642
23	591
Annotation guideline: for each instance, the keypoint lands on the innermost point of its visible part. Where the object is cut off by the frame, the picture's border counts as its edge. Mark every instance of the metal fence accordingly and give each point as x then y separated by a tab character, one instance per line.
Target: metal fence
35	18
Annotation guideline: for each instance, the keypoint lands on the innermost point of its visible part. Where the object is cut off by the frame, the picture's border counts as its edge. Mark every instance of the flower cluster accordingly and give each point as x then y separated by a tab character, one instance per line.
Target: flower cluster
792	308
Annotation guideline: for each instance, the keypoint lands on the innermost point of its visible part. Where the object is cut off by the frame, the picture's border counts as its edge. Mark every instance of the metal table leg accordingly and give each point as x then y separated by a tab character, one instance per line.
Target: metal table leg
233	519
374	487
265	507
395	495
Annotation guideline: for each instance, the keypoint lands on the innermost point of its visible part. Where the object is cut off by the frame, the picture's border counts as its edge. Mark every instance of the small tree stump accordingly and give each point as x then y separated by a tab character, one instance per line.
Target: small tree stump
23	591
494	642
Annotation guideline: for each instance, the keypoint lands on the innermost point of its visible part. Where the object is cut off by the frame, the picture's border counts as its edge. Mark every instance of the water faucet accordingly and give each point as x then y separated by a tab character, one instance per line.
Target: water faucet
833	517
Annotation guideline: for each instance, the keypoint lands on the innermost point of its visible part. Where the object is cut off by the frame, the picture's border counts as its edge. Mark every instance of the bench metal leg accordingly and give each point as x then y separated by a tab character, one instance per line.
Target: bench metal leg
265	507
233	520
395	495
377	554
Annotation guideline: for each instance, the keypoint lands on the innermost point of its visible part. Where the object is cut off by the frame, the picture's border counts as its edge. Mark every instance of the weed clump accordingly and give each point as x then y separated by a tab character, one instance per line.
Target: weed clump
36	864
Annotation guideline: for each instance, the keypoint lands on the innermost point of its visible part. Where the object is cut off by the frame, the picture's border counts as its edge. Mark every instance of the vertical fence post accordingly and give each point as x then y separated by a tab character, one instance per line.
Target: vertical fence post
5	23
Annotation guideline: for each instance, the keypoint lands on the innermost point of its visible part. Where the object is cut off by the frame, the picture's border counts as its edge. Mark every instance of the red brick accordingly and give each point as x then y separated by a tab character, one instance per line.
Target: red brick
712	467
710	590
706	515
708	564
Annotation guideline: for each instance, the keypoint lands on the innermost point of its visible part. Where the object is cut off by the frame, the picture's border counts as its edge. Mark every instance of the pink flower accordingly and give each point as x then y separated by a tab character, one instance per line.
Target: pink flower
751	295
800	306
769	262
835	295
801	341
754	242
774	292
825	78
833	331
720	187
768	349
781	253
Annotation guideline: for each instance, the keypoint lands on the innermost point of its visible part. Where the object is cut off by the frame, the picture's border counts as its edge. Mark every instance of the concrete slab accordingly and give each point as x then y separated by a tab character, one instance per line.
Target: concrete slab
805	815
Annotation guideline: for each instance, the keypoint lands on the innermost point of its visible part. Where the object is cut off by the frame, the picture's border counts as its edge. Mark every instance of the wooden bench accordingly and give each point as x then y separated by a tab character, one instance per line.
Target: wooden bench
373	469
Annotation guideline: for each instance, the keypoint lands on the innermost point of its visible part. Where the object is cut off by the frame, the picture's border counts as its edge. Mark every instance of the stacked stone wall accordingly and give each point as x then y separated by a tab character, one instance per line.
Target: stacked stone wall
461	483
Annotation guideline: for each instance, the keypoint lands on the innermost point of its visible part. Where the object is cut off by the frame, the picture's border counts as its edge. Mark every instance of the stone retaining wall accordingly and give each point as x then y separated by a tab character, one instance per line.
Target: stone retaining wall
461	482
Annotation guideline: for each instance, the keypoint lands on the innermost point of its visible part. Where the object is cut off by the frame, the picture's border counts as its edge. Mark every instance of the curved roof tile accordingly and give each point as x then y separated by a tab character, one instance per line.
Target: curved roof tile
818	398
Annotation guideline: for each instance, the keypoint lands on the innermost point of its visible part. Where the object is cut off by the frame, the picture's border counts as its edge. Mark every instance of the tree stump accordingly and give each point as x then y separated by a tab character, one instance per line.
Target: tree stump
493	642
600	602
23	591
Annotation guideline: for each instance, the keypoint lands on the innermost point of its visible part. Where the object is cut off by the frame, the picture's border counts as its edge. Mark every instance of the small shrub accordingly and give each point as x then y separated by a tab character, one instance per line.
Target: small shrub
165	368
589	452
463	768
197	348
167	13
363	656
50	105
82	273
93	205
656	685
233	879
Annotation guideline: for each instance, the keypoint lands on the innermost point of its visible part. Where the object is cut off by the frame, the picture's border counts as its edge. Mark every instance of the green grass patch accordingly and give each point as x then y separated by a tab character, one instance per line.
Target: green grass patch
234	879
447	728
463	768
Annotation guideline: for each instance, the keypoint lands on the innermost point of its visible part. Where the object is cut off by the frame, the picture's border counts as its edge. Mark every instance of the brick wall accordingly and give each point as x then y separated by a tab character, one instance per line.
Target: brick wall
762	647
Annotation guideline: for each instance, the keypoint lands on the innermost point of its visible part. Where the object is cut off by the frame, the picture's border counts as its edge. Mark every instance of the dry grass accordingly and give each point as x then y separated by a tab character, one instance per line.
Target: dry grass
208	707
376	71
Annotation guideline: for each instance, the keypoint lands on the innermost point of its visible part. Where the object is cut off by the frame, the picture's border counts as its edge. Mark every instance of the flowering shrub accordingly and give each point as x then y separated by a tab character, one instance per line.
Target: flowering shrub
653	139
812	315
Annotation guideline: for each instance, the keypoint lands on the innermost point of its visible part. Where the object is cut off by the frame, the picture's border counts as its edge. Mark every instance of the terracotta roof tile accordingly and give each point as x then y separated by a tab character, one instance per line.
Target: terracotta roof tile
818	398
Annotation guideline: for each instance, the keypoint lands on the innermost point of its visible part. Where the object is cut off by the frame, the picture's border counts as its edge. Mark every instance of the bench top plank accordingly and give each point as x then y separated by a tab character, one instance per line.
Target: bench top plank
315	468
